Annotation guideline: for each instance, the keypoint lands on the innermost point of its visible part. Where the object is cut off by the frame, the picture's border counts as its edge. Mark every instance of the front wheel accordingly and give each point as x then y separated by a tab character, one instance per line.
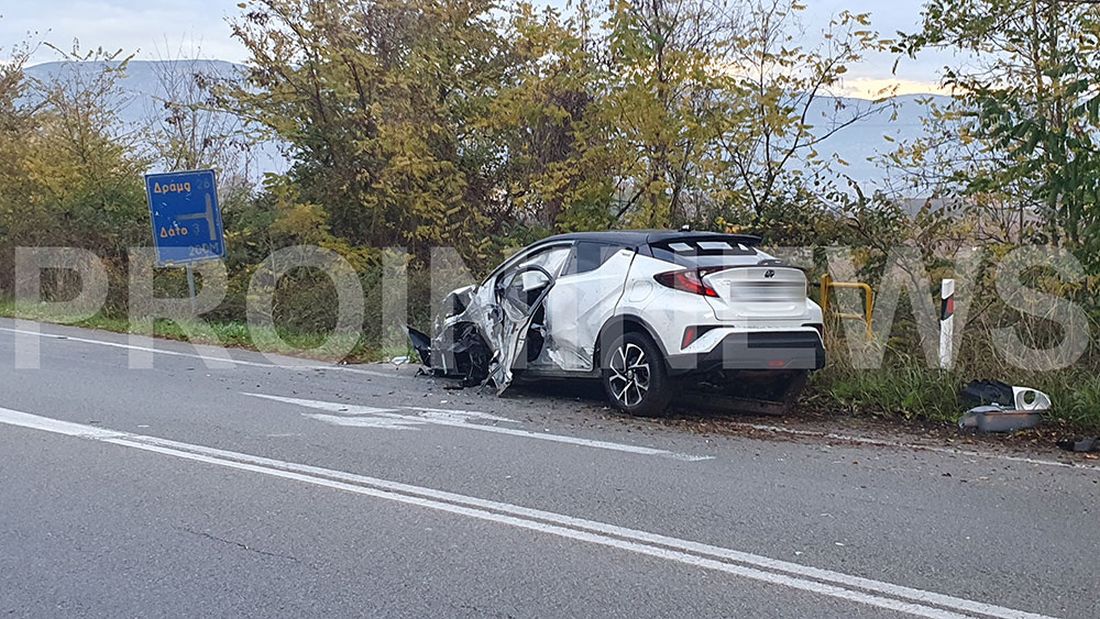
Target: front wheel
635	377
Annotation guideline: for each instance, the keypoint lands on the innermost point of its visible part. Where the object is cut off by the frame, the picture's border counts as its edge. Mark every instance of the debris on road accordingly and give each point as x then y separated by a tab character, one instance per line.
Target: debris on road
1003	408
422	344
1005	395
996	418
1082	445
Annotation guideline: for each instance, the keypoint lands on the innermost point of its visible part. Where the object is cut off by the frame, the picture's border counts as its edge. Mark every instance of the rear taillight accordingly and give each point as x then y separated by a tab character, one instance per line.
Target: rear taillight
687	281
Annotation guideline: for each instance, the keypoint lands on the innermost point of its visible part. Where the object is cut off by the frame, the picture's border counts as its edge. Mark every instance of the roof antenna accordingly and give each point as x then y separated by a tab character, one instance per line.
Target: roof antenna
685	228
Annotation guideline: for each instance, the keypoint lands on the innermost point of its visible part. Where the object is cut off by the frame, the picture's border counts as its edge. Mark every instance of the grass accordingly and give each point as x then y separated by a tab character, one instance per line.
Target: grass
234	334
906	388
911	391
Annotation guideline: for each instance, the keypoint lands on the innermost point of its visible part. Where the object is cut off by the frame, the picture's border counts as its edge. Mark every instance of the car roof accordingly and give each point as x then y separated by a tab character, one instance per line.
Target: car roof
635	238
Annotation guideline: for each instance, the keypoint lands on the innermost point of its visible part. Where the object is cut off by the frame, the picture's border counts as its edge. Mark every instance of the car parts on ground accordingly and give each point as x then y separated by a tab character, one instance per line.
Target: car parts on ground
1081	445
646	312
1003	408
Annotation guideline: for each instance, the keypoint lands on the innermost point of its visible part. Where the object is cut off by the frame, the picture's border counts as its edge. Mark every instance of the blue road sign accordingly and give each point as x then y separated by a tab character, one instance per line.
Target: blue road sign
187	223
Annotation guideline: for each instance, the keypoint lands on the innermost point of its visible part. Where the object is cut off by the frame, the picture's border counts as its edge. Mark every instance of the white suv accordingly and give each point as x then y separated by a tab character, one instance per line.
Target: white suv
645	311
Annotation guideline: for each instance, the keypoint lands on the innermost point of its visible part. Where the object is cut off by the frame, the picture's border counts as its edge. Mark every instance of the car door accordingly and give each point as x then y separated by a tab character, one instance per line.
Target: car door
520	291
581	302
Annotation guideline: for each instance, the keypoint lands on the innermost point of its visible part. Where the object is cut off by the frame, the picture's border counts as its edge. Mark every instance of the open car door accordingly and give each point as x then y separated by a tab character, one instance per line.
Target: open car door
519	296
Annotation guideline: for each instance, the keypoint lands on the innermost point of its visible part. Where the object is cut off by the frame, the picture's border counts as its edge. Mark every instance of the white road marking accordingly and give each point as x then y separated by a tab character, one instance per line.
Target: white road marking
756	567
462	419
295	365
865	440
376	423
457	414
339	408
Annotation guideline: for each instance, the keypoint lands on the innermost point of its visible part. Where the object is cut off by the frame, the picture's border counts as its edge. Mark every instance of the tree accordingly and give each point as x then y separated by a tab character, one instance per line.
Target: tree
785	106
381	105
16	123
186	131
555	166
663	101
80	172
1029	92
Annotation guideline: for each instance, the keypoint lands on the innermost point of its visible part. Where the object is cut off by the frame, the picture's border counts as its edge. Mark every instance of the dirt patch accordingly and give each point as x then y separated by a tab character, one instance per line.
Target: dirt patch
817	426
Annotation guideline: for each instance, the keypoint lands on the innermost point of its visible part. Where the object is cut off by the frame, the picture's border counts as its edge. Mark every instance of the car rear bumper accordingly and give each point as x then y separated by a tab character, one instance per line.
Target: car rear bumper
732	349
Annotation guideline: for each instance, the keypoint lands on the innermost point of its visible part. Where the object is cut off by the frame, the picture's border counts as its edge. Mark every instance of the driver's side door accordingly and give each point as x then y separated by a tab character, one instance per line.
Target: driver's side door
519	292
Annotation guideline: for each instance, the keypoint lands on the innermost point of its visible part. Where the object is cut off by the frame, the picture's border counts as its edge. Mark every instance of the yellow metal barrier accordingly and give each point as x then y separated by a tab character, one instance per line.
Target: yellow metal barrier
868	301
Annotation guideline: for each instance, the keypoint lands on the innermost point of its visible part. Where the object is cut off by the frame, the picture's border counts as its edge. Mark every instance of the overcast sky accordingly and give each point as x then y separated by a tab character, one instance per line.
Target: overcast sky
157	29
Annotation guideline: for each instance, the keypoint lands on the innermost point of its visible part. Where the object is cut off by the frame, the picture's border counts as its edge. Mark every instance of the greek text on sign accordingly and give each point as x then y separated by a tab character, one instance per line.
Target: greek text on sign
187	222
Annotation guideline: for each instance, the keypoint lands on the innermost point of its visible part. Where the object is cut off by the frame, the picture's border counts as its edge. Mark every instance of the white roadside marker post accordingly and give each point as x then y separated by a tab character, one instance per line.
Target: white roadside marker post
947	323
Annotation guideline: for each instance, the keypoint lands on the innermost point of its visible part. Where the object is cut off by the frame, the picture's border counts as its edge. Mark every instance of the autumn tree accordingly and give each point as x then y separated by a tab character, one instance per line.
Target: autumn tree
81	168
664	99
1027	95
557	168
787	104
380	105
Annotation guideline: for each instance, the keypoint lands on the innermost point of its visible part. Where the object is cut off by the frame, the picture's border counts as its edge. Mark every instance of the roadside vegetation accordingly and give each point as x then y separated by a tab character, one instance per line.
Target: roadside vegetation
230	333
485	125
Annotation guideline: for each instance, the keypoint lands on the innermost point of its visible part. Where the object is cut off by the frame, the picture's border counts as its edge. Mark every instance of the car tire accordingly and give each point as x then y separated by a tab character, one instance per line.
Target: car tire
635	376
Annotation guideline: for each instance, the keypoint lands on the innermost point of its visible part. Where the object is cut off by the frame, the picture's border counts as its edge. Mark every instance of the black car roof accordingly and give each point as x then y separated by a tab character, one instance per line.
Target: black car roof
635	238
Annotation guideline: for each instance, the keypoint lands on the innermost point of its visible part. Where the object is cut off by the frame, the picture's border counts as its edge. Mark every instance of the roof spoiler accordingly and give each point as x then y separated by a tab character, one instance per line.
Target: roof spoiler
748	240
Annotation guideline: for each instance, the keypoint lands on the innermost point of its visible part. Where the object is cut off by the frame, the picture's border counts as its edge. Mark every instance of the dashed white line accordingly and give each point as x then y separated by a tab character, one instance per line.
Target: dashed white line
873	593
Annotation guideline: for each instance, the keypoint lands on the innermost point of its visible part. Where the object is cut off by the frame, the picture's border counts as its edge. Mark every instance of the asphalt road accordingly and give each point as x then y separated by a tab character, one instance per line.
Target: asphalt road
265	488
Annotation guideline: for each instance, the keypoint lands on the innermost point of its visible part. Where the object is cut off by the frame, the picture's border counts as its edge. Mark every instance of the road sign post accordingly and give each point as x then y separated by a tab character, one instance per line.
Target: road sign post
191	287
187	221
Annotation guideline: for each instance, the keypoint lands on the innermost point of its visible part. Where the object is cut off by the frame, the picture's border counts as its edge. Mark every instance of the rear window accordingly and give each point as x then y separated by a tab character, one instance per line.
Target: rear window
700	252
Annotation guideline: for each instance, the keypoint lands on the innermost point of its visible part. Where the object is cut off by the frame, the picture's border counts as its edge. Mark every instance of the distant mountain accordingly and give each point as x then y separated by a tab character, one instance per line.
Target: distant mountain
143	86
901	120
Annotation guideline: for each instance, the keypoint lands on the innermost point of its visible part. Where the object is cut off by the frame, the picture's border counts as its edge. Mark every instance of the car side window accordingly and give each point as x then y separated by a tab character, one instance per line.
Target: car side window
550	259
588	256
520	286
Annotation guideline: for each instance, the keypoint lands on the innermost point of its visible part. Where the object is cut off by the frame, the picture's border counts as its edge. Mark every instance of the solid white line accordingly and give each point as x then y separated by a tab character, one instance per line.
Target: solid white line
865	440
914	601
584	536
225	359
455	423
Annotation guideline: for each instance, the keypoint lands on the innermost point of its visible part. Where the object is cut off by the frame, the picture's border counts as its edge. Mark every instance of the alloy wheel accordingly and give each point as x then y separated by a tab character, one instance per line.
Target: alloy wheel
630	374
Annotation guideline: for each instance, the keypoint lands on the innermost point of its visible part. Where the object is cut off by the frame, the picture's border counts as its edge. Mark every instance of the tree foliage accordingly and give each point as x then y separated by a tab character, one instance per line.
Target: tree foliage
1028	94
457	122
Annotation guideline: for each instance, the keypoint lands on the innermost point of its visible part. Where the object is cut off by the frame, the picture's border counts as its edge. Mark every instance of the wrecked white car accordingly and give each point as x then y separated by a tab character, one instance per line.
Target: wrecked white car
646	312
